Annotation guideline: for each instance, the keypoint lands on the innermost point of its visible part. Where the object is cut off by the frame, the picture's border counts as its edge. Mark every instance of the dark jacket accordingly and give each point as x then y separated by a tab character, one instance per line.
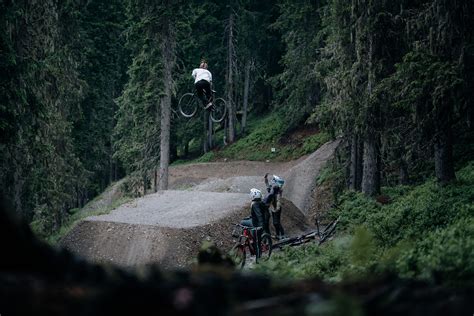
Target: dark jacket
258	213
274	194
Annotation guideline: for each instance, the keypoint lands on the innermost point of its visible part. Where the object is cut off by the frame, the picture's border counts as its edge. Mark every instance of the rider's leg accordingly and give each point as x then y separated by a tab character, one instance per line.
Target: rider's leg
200	87
246	222
277	224
208	93
258	238
207	88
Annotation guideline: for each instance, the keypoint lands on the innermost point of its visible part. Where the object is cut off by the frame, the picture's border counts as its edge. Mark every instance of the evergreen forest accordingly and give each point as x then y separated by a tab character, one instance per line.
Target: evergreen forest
89	93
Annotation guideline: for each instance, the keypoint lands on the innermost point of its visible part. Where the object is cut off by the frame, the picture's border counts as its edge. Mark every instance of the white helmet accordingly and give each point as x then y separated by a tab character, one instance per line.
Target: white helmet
276	180
255	194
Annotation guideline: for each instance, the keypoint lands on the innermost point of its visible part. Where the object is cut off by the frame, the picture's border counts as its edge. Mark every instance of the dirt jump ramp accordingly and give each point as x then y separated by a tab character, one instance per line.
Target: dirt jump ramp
300	180
167	227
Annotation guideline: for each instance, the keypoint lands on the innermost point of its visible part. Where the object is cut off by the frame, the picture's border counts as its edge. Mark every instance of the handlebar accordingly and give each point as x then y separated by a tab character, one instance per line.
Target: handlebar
248	227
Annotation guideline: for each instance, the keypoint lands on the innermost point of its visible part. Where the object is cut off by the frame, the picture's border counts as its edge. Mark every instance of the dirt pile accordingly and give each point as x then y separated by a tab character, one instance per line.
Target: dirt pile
171	241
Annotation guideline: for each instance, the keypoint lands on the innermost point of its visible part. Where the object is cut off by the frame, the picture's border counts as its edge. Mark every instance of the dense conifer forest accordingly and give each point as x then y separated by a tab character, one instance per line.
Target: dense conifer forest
89	91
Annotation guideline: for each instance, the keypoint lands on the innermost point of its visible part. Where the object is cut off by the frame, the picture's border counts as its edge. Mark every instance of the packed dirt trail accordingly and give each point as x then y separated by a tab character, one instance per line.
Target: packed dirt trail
168	227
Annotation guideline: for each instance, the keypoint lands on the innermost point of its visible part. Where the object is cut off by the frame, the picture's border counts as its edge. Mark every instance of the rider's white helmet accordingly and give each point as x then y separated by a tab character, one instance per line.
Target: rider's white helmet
255	194
276	180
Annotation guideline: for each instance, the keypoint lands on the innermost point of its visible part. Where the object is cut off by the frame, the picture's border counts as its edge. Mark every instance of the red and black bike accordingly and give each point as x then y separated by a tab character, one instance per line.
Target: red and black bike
247	243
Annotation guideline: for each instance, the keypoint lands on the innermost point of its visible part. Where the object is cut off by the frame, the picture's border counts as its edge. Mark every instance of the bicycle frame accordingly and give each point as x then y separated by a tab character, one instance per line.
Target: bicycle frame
249	240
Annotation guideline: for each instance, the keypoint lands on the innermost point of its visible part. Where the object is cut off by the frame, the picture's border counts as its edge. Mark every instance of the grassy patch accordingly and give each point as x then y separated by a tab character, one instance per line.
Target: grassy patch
267	140
76	216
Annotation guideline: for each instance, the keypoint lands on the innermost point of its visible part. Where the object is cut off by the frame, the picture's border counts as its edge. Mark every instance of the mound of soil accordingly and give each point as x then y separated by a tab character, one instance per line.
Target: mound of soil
169	227
128	242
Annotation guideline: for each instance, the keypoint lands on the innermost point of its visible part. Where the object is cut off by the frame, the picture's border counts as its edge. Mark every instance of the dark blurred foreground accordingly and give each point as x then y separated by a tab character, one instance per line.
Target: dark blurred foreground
37	279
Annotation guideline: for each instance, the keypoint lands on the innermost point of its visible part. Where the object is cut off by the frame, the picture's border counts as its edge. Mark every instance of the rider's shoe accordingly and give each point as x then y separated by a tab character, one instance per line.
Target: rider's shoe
208	106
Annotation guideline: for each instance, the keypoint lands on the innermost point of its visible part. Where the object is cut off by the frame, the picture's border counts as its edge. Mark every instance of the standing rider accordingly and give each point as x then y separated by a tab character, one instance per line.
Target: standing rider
273	199
202	83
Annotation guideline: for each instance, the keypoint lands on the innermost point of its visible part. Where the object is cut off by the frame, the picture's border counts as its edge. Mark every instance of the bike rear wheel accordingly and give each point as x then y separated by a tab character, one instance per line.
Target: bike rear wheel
219	110
238	255
188	105
266	247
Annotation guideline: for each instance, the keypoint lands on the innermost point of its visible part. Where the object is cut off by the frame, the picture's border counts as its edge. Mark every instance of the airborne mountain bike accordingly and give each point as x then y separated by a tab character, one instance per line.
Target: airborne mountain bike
247	241
189	103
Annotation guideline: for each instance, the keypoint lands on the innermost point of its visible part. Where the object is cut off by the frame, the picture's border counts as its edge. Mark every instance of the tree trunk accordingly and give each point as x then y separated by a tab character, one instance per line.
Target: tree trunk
145	183
371	171
371	175
205	138
403	176
230	79
443	152
246	96
209	132
168	53
355	173
17	183
111	159
155	180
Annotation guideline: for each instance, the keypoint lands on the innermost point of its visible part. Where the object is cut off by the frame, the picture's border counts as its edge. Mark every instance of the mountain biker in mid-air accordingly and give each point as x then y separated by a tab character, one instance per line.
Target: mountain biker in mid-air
202	83
273	201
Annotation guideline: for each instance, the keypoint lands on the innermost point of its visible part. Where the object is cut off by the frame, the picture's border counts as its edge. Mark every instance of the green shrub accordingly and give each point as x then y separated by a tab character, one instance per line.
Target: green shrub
444	255
426	207
257	145
309	261
425	232
355	208
265	134
210	156
313	142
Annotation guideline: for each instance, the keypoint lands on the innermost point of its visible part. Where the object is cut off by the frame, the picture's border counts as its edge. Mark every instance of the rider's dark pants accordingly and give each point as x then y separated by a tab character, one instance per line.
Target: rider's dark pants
203	91
277	224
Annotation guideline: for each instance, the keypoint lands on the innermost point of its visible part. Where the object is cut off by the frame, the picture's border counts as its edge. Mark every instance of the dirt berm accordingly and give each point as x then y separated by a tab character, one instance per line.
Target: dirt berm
149	230
168	227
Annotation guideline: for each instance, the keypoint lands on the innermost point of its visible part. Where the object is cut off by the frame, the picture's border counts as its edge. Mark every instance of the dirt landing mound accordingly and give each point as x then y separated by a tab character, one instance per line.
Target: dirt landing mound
168	227
132	244
301	179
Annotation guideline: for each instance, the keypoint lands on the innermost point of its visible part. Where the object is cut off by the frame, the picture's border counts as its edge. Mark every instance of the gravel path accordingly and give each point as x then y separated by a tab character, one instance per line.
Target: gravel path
177	209
301	179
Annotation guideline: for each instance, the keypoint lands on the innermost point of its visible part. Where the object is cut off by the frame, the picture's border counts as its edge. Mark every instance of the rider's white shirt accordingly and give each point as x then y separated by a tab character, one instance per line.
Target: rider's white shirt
201	74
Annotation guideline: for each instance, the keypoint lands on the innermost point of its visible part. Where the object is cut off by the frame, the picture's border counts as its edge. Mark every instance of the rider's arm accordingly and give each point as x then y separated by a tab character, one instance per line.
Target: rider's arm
194	73
266	182
270	199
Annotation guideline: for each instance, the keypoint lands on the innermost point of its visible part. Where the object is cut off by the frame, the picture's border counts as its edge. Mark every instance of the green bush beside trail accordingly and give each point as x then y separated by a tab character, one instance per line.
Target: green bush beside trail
425	232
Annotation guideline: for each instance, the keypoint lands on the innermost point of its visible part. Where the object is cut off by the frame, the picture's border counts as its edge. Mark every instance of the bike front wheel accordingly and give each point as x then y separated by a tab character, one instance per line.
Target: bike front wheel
238	255
188	105
219	110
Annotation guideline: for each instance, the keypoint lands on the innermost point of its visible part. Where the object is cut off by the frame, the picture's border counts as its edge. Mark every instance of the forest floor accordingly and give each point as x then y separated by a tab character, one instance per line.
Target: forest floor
204	200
